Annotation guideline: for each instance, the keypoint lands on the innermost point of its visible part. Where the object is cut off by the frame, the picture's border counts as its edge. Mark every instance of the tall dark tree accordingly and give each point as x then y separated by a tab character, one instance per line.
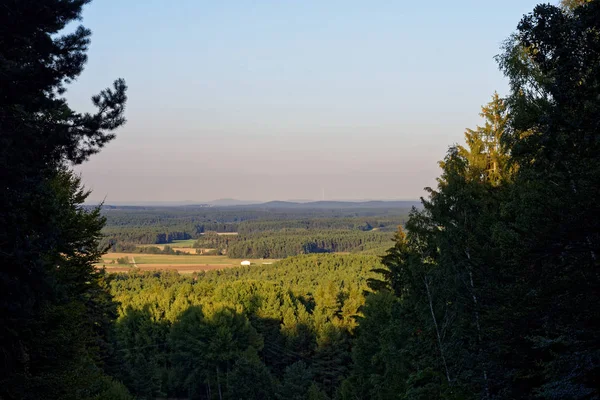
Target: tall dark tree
553	63
498	274
439	268
53	309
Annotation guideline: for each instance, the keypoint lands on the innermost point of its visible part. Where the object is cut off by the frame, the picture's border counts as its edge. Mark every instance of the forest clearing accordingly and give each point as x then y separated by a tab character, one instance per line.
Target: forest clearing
125	262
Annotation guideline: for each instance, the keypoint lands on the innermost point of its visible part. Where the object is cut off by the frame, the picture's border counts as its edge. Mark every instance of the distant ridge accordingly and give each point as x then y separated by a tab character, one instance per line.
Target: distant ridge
277	204
231	202
271	205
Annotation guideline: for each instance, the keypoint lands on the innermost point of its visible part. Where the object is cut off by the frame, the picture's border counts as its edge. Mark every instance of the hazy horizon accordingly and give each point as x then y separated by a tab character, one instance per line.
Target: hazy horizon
275	101
237	201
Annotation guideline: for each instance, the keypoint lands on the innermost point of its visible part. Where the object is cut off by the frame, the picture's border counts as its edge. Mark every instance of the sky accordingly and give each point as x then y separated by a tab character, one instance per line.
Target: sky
284	100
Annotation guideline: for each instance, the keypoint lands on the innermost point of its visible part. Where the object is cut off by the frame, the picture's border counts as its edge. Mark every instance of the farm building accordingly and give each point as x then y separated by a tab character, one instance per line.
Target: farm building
245	262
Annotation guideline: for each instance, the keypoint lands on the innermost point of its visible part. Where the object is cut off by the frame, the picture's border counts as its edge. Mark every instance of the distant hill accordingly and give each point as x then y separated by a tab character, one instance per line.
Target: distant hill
334	204
231	202
270	205
151	204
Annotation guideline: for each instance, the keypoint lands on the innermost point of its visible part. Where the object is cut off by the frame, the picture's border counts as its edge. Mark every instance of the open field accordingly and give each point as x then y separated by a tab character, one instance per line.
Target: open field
188	250
181	268
181	263
189	243
182	243
184	246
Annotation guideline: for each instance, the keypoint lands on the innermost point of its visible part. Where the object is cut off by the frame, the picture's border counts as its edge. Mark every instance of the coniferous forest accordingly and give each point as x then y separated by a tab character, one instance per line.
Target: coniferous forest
489	289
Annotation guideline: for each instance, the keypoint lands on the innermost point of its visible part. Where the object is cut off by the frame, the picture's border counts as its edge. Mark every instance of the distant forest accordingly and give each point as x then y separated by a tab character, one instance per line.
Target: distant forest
274	233
281	244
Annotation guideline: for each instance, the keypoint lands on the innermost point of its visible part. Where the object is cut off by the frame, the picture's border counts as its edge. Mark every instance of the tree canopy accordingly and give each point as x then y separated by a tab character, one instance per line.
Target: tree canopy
495	282
55	309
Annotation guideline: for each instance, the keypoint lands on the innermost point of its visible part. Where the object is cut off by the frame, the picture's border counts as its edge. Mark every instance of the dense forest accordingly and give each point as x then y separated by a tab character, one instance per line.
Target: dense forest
291	243
490	290
276	332
493	289
273	234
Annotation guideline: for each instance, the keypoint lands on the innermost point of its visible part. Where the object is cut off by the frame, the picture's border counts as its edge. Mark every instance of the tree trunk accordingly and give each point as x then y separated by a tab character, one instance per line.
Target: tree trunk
219	385
437	330
587	237
479	337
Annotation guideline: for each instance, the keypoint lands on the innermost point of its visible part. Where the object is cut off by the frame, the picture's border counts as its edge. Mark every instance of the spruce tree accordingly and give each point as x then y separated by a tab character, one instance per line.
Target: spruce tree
484	154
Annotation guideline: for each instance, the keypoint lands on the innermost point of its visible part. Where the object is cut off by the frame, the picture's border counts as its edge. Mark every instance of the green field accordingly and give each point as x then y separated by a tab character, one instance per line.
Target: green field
182	243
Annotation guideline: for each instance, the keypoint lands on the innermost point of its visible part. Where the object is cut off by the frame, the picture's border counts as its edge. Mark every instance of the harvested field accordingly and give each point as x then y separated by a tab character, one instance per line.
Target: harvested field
182	263
181	268
188	250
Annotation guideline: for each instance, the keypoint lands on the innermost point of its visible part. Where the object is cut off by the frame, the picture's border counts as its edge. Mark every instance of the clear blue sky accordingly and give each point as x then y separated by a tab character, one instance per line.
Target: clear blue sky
261	100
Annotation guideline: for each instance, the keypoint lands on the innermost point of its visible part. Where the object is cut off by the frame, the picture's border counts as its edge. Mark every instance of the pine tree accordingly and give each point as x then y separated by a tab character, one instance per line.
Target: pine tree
296	382
53	314
250	379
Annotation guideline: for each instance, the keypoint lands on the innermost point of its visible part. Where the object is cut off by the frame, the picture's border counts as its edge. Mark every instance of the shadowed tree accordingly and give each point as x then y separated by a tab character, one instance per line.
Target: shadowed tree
498	274
53	313
296	382
552	237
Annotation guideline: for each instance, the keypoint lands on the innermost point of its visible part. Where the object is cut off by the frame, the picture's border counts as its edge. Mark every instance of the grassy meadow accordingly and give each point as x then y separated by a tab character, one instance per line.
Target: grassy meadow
183	243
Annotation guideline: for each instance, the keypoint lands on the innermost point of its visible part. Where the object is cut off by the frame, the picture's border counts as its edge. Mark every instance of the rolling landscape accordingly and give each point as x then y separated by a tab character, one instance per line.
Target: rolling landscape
477	278
222	237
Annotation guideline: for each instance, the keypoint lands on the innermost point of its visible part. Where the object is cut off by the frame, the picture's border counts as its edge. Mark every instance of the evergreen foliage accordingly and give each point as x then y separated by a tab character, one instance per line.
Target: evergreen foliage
495	281
250	332
128	227
56	313
291	243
